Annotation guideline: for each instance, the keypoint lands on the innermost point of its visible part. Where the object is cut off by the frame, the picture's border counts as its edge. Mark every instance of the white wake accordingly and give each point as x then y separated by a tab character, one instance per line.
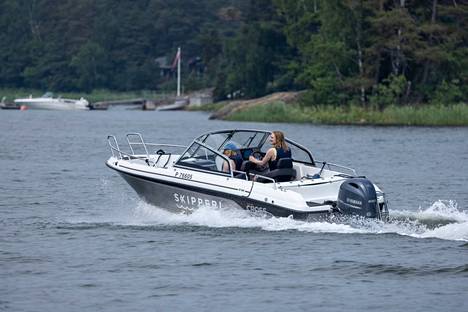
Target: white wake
443	220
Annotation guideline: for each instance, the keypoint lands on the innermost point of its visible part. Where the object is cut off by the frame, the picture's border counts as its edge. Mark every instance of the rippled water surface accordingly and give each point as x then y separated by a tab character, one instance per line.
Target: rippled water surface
74	236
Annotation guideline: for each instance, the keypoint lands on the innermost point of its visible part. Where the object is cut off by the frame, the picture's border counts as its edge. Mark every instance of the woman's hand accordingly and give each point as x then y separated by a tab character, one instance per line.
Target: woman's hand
270	154
253	159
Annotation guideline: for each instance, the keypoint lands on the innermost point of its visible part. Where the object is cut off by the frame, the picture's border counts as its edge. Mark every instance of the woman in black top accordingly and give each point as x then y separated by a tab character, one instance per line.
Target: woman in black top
279	150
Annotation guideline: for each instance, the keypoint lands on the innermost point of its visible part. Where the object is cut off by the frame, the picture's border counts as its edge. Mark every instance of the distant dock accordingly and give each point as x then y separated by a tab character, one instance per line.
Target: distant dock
143	103
137	103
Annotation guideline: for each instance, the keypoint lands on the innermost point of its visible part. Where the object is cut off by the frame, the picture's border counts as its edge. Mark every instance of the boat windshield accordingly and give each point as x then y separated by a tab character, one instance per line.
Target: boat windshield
201	157
254	140
241	139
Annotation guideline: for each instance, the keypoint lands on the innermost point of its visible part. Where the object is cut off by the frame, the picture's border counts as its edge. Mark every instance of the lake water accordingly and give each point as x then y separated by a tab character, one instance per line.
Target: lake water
75	237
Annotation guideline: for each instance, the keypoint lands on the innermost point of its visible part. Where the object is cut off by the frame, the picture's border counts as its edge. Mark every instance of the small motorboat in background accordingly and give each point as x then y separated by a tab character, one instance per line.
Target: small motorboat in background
179	104
47	101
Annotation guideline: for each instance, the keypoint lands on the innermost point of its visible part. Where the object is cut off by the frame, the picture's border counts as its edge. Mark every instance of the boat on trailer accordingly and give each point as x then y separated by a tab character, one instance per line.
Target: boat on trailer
183	178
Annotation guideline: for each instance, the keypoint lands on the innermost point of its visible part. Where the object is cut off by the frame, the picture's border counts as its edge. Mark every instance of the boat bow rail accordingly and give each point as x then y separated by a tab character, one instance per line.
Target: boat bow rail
135	141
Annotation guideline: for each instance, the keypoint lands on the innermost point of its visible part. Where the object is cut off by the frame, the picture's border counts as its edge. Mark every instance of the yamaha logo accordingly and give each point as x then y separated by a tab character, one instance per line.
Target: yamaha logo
353	201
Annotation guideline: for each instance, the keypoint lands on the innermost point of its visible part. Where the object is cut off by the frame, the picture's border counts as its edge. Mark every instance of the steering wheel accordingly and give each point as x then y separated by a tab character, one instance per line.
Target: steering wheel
257	155
160	152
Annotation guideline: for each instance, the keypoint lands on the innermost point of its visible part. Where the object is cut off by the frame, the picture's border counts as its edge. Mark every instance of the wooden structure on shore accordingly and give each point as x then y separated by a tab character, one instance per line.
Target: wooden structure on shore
103	105
143	103
138	103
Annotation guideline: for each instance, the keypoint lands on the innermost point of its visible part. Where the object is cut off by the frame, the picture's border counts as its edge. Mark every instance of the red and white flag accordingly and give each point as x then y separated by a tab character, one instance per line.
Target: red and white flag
176	59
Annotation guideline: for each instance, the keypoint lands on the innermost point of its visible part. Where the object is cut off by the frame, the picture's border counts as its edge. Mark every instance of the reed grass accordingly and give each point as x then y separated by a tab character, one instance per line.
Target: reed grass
424	115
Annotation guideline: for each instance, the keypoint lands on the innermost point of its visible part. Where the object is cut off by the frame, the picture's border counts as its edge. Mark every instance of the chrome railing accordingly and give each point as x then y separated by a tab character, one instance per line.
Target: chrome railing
141	142
254	178
114	146
329	165
117	152
238	173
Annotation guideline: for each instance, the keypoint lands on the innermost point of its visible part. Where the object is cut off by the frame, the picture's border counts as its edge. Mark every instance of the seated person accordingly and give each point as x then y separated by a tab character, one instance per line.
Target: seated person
278	150
234	158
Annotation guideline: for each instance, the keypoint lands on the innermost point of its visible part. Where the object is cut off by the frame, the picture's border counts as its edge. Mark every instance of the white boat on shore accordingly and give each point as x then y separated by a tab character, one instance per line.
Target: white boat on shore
48	102
179	104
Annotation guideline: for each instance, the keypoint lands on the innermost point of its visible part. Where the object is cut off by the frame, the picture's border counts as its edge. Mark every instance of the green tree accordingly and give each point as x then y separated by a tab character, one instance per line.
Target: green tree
256	56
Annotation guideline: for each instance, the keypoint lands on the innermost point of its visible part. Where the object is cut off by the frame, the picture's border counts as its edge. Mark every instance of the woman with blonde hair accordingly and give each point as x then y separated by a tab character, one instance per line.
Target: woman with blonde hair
230	150
279	150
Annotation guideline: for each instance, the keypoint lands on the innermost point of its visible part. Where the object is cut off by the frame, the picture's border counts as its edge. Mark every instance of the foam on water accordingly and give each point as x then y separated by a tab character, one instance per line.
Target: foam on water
146	214
441	220
442	211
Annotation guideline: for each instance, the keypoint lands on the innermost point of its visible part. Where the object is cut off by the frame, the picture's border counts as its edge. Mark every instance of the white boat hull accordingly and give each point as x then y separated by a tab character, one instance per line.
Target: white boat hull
182	196
179	104
197	177
53	104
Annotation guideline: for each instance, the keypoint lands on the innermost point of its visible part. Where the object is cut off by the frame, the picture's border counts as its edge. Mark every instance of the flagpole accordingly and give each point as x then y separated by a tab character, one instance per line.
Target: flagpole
178	72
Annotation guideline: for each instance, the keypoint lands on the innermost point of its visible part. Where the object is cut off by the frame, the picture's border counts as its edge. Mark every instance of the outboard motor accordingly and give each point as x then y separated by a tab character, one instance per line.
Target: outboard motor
357	196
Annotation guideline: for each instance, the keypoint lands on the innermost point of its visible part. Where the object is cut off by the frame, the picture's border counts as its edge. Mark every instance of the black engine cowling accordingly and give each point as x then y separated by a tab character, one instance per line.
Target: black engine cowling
357	196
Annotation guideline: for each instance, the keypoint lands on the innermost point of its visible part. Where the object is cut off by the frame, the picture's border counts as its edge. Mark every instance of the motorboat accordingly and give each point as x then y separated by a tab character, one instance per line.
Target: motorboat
179	104
184	178
49	102
6	105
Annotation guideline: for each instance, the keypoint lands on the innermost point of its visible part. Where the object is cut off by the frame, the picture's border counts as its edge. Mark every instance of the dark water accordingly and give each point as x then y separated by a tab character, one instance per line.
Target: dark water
74	237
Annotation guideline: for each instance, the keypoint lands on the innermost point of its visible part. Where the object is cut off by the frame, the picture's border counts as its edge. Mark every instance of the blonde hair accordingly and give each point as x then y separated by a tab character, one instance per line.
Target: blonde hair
280	142
229	152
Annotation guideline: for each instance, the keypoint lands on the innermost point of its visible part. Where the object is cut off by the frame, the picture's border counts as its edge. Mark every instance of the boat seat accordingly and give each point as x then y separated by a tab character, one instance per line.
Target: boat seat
284	171
252	171
244	163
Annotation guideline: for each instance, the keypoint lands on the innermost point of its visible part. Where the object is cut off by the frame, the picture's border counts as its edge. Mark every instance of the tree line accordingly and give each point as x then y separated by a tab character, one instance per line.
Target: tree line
377	52
370	52
80	45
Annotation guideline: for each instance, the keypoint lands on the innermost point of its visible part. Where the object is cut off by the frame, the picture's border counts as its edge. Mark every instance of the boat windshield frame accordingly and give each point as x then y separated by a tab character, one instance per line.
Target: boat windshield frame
200	144
229	133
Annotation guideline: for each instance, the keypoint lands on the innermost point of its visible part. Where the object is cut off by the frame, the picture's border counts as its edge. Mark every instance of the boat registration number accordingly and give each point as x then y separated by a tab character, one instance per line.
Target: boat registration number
186	176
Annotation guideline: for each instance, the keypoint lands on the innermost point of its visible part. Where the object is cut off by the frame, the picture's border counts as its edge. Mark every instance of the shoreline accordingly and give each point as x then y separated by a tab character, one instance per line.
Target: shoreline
285	107
288	107
429	115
